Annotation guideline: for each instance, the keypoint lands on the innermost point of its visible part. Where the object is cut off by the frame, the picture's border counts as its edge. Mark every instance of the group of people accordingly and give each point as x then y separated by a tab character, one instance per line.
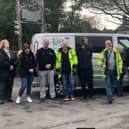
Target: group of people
65	63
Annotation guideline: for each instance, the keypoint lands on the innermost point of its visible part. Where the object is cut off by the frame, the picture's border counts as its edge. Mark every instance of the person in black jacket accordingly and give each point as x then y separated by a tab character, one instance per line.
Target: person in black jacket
27	66
127	58
85	69
8	62
46	59
122	52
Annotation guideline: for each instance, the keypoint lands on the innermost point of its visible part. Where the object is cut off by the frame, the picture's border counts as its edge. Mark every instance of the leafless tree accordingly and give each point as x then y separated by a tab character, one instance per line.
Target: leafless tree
116	8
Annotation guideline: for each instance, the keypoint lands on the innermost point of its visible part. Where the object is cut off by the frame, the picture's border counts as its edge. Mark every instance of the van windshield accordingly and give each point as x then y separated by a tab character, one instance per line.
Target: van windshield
124	41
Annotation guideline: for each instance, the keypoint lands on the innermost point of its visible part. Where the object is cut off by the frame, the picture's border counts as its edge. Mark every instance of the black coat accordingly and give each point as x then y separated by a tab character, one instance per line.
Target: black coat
127	57
84	58
45	56
26	62
5	63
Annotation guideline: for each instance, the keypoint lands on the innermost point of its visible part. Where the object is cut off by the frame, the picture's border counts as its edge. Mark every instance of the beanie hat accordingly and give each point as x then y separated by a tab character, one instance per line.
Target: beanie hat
25	46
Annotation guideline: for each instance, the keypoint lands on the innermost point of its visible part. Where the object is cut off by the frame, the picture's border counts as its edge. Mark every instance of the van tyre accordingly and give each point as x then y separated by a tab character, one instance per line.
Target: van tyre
59	88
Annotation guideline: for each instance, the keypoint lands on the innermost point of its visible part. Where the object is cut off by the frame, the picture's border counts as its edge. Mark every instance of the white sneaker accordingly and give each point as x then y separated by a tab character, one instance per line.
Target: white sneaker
18	100
29	100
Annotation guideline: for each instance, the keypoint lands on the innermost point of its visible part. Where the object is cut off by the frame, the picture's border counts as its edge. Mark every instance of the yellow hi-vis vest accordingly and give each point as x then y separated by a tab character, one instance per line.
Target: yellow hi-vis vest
72	59
118	60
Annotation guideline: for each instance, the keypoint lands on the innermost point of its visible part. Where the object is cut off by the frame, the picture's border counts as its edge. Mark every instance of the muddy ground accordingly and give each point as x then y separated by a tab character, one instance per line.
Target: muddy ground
57	114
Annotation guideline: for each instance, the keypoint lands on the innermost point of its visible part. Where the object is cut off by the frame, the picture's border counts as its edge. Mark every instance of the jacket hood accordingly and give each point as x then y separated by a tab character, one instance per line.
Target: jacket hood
114	49
61	49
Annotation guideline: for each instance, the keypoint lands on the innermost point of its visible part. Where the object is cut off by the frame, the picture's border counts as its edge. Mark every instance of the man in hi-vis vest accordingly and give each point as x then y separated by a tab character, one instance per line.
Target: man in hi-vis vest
110	60
66	62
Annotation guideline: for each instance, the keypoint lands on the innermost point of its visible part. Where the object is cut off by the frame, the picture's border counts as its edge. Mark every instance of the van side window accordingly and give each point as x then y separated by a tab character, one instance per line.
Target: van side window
96	43
124	41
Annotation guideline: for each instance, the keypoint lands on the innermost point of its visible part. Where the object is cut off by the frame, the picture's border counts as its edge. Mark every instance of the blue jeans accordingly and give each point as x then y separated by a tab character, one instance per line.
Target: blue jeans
68	83
110	79
26	83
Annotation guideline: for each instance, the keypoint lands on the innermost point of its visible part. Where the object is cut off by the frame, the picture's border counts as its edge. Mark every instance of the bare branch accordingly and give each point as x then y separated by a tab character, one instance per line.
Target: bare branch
125	5
114	15
115	8
119	7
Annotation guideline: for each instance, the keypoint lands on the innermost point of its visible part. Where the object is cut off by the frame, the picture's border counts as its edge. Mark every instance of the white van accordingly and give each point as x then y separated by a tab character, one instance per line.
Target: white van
96	42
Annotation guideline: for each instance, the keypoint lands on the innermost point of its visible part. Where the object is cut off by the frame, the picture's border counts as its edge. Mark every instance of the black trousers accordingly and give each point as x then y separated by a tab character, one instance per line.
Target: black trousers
86	79
8	89
3	84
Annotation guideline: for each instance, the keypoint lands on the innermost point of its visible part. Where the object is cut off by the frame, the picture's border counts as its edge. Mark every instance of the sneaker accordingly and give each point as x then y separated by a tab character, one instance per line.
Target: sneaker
10	100
110	101
29	100
1	102
18	100
73	98
66	99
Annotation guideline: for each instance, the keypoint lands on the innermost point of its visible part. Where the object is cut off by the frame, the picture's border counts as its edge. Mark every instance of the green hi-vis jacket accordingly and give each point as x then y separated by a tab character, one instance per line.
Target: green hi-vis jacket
72	59
118	61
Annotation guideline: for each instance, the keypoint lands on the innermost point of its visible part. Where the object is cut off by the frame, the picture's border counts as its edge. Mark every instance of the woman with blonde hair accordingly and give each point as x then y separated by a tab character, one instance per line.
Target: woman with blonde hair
0	44
8	62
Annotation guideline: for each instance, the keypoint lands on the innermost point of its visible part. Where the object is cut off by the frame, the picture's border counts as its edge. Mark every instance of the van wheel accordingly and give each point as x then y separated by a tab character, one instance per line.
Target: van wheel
59	88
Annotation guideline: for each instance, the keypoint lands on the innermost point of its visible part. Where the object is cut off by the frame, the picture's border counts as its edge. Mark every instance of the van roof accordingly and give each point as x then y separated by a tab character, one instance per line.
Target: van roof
81	34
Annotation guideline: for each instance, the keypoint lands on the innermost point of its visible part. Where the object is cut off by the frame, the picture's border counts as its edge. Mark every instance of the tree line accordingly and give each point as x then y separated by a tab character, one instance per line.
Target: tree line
57	19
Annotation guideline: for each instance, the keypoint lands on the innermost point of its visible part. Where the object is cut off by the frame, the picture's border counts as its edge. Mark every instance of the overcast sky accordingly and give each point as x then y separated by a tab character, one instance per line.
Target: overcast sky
102	20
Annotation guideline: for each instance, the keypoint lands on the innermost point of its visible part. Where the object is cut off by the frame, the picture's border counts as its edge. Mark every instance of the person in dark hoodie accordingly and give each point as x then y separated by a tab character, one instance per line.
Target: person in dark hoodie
46	59
119	87
27	66
66	62
8	62
85	69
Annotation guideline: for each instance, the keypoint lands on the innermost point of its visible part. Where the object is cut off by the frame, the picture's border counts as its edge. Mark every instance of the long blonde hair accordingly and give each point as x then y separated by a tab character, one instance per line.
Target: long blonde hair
19	53
2	43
